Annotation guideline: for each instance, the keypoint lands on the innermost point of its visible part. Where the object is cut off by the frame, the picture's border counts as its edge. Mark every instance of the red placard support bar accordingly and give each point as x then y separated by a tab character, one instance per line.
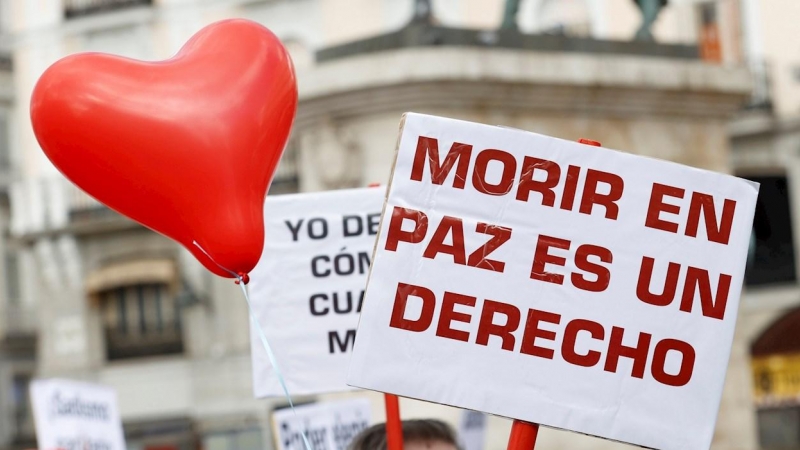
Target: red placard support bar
394	426
523	435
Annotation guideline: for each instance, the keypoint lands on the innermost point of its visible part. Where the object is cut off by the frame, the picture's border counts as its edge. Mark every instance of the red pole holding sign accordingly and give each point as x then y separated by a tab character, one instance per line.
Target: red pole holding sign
589	142
523	434
394	426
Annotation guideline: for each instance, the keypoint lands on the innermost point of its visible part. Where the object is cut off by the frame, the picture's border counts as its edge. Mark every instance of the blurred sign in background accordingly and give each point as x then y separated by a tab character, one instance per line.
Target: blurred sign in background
73	415
308	287
329	425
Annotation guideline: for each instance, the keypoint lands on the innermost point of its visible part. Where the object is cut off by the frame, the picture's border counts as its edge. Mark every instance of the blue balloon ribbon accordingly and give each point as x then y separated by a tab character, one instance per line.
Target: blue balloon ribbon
263	337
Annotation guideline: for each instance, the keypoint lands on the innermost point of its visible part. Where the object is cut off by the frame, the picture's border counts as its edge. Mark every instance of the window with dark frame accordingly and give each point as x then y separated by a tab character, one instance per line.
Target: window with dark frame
78	8
5	142
779	428
12	278
775	354
141	320
771	259
708	31
23	415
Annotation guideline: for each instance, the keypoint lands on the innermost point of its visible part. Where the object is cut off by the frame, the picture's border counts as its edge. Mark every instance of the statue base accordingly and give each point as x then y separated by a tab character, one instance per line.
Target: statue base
421	34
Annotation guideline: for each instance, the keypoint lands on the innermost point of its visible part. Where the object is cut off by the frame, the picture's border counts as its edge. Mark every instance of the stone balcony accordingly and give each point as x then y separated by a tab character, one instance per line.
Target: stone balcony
426	34
78	8
47	206
659	101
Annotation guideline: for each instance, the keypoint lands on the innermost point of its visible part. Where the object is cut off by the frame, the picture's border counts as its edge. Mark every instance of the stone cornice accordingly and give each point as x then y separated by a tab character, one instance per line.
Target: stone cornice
762	124
423	78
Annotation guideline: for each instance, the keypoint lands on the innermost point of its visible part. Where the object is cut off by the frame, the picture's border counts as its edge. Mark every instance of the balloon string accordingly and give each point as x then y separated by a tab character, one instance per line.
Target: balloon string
261	335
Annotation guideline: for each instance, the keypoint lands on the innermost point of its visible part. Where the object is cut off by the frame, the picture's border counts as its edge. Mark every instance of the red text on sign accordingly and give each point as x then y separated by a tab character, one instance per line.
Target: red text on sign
544	179
695	280
542	334
664	202
547	248
411	226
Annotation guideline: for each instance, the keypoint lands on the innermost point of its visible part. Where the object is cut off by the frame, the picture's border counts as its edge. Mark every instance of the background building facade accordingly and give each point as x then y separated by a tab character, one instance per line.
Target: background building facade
90	295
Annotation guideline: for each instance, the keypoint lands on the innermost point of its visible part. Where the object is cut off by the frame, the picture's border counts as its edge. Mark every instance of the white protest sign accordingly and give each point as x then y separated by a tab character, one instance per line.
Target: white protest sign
308	287
556	283
327	426
71	415
472	430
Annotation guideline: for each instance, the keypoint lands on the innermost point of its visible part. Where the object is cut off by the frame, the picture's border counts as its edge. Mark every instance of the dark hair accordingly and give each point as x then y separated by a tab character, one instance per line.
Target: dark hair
374	437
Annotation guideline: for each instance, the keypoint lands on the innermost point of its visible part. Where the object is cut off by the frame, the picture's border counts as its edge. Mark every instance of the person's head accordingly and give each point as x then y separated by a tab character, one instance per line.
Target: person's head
423	434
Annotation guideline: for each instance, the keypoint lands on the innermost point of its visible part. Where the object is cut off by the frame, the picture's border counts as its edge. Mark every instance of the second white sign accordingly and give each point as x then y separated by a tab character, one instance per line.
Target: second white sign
308	287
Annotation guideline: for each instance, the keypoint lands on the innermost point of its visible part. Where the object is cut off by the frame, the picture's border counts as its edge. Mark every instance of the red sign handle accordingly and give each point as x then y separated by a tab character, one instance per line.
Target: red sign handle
589	142
523	435
394	426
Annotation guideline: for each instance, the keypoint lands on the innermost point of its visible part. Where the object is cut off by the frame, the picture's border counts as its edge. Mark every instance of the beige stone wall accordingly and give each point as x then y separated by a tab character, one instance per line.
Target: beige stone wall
778	23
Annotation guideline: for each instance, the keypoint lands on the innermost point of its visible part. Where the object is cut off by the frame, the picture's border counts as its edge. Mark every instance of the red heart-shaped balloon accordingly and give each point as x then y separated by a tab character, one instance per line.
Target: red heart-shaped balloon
186	146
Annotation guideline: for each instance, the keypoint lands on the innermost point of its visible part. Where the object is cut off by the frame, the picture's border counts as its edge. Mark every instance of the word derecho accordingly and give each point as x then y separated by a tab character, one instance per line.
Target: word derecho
544	183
